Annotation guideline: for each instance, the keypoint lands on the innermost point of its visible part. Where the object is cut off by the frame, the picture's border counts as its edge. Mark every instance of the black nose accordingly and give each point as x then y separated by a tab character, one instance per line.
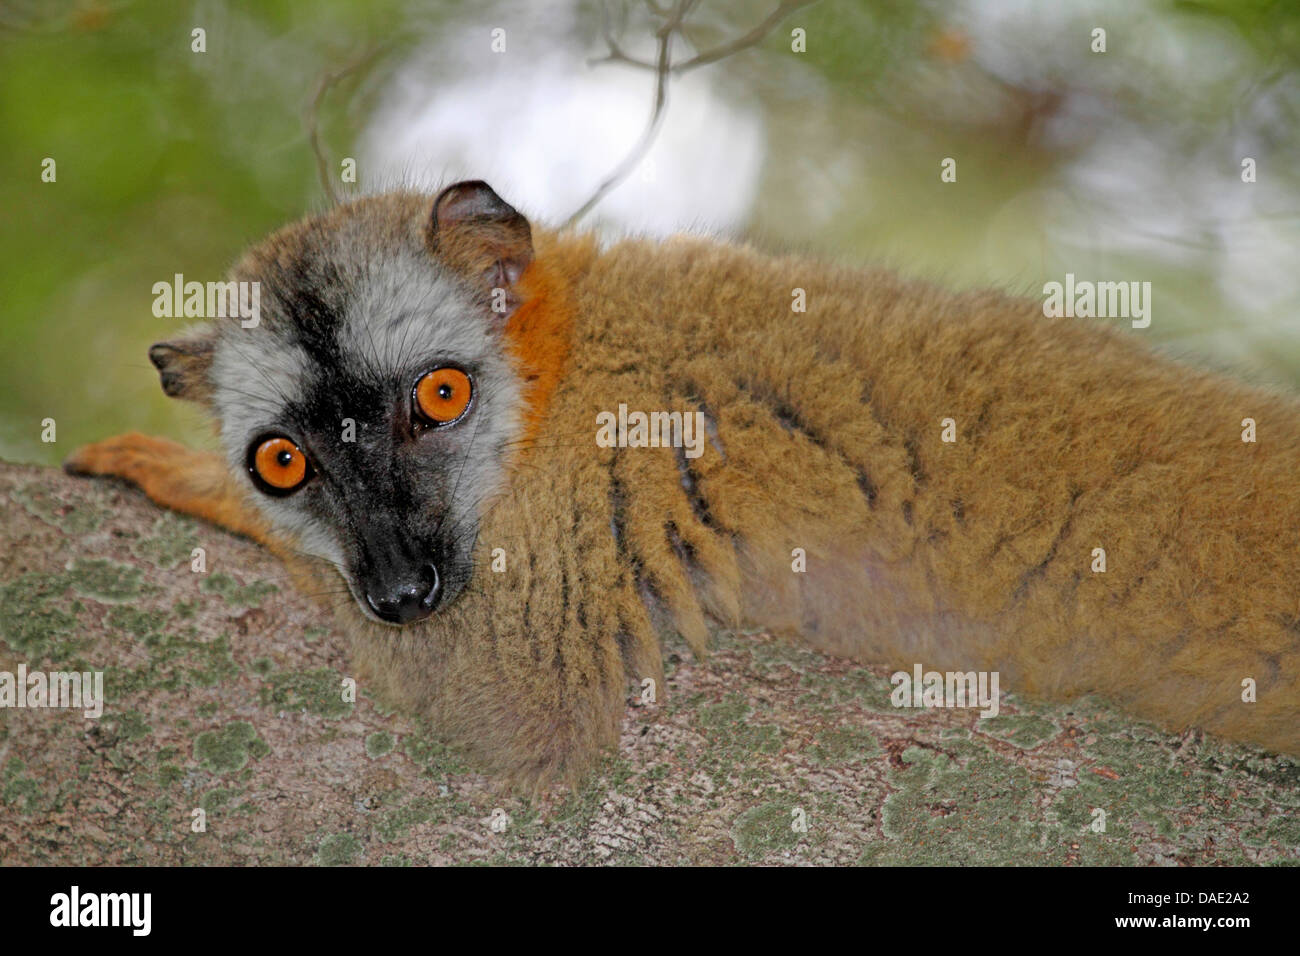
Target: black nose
407	602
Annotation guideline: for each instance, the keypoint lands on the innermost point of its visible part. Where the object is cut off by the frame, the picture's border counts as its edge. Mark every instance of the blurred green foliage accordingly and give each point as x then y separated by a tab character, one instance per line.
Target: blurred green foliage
168	161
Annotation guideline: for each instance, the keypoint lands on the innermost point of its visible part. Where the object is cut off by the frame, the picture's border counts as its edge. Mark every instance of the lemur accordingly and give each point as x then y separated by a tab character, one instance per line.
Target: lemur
511	576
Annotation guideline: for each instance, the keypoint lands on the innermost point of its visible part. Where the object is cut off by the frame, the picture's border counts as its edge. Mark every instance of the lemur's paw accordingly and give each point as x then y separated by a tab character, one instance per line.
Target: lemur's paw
132	456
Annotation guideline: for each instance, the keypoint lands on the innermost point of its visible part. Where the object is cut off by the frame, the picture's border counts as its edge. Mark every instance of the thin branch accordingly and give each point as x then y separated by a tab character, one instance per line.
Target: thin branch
752	38
638	151
311	115
663	69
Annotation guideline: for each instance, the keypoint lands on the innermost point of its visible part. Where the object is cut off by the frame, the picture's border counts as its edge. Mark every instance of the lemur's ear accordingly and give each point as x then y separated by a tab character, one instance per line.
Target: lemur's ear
183	365
483	237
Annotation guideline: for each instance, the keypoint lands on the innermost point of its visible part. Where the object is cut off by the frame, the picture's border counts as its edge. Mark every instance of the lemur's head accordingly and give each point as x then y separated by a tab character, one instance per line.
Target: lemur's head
371	406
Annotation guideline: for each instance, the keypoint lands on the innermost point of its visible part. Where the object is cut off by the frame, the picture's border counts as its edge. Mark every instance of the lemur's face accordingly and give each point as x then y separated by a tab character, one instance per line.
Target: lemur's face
372	407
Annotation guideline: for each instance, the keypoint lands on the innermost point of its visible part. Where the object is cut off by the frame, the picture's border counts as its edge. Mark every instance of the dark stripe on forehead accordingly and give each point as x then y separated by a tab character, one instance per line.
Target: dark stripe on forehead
312	296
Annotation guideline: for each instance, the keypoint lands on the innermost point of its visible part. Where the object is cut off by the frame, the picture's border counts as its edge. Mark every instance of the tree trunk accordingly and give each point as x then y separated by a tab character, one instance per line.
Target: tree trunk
226	738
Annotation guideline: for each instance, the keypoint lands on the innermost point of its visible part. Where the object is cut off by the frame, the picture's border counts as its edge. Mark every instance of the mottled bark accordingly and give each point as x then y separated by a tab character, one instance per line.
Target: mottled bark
224	692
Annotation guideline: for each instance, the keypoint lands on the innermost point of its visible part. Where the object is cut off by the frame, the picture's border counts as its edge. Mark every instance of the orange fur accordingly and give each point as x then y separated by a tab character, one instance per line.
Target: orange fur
176	477
540	330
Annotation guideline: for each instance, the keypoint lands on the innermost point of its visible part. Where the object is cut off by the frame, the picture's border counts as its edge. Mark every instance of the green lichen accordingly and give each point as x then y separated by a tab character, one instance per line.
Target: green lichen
394	824
18	789
338	849
1285	831
213	661
844	745
770	657
136	622
729	727
106	581
177	658
218	797
429	752
967	805
826	692
234	593
228	750
1182	801
74	519
943	810
1280	774
317	691
130	725
766	829
379	744
169	542
1026	731
35	614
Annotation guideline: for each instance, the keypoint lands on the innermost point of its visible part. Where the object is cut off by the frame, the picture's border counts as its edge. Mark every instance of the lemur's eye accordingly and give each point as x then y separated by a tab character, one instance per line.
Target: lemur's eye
442	396
277	465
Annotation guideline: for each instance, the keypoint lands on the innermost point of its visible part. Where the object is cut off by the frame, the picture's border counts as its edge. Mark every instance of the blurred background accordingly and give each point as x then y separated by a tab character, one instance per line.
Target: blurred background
1122	165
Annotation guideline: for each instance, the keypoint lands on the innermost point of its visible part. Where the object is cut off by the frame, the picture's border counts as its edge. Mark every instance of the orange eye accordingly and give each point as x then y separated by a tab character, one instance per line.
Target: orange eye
278	465
441	396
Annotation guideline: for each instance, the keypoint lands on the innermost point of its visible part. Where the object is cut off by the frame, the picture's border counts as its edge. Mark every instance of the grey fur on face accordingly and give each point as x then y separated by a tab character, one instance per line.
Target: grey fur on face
347	329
